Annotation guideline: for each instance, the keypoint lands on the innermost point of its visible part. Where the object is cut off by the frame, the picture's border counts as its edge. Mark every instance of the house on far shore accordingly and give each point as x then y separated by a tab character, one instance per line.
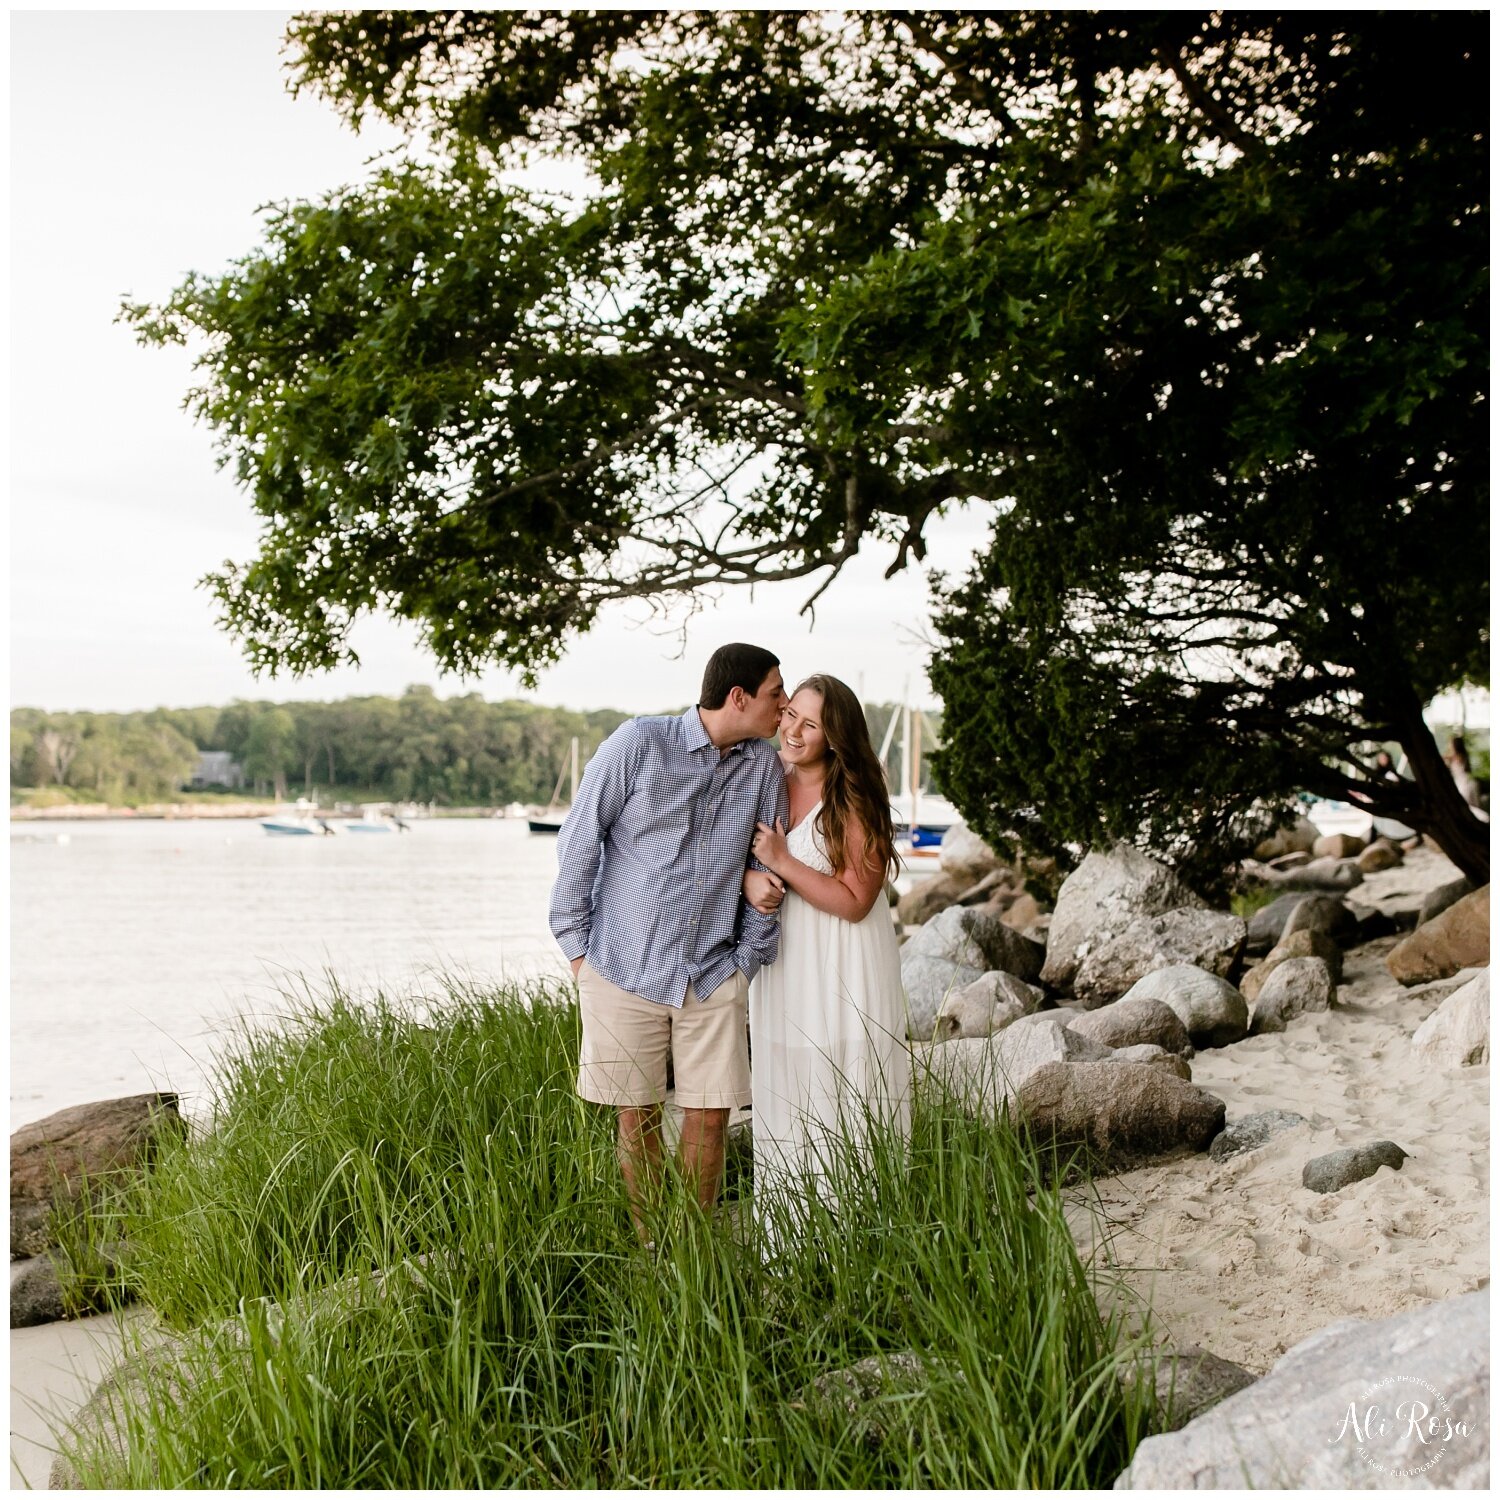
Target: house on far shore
218	768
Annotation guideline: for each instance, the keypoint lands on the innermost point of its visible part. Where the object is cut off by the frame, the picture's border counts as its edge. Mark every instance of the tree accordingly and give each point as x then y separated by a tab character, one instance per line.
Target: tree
1195	303
271	749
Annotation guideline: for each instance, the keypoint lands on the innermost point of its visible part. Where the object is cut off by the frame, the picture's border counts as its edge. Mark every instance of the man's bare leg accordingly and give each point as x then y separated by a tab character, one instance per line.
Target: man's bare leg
639	1154
700	1153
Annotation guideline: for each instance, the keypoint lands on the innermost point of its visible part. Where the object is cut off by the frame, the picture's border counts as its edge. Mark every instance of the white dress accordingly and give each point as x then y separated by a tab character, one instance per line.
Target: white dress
827	1034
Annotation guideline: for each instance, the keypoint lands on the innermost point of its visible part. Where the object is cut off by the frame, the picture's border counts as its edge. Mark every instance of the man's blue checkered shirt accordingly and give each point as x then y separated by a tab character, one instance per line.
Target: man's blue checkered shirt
651	857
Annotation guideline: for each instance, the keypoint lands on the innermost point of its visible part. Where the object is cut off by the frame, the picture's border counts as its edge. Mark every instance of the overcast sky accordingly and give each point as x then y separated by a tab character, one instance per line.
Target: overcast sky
142	144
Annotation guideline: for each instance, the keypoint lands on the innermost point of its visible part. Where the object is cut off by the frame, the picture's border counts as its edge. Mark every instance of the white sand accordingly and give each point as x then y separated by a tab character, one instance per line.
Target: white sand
1239	1257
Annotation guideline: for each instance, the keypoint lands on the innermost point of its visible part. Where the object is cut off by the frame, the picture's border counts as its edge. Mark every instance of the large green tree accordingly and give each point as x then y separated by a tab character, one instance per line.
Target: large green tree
1193	302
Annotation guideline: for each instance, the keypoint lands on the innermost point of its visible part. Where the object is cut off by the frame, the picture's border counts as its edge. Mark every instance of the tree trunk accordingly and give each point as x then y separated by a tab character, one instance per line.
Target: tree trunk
1440	811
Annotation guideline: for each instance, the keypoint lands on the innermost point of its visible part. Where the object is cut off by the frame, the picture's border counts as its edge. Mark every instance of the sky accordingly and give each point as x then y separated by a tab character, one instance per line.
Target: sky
142	145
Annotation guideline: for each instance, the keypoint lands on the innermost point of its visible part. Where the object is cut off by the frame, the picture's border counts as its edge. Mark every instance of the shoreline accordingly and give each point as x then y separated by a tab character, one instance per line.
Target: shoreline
98	812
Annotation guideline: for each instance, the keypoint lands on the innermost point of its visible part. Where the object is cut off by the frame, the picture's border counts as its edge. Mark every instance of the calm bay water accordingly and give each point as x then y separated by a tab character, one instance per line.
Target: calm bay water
134	945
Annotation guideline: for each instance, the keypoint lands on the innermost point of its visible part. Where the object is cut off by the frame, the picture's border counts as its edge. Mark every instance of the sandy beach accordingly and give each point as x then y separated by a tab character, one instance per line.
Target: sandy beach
1238	1257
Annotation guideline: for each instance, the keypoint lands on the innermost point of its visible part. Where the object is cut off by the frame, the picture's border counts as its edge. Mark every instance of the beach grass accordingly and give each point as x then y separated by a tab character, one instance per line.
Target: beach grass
398	1255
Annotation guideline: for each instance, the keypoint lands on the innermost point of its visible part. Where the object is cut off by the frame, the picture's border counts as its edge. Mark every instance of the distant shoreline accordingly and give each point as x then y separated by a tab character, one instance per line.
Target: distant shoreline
94	812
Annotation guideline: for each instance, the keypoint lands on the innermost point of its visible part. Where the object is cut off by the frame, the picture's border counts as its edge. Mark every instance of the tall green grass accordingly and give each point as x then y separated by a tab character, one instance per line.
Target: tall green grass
399	1255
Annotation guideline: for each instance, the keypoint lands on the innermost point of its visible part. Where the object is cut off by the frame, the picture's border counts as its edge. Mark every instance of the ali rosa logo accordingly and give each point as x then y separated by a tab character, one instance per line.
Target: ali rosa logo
1402	1426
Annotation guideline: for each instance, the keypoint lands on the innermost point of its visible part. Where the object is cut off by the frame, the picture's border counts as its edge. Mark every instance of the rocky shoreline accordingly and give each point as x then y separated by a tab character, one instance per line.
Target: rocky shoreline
94	812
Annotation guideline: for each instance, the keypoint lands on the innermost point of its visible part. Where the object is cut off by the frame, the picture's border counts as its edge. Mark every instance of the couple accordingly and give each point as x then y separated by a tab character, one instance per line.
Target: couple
692	856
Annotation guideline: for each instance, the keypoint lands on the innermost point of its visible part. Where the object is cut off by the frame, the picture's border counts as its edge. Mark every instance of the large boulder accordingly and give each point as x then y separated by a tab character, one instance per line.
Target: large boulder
927	897
966	856
978	940
1303	944
1458	938
82	1148
1326	914
1457	1033
928	981
1129	1022
1381	855
1338	846
982	1074
1212	1010
988	1005
877	1398
1118	1113
1101	898
1187	1383
1336	1413
1324	874
1158	1057
1208	940
1296	988
1267	924
1251	1133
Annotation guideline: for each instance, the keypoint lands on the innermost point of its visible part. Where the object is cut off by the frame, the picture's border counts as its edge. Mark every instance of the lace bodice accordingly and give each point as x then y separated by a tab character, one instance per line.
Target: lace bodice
805	842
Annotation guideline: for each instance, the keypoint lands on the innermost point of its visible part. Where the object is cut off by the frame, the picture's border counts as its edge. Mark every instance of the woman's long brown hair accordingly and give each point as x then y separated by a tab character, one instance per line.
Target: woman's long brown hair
853	783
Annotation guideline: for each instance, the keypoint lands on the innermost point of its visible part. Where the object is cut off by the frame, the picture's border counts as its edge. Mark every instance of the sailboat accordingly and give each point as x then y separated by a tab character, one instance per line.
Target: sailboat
921	819
549	819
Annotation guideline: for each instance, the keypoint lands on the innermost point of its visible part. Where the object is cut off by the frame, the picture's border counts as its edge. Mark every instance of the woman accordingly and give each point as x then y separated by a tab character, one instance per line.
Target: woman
828	1018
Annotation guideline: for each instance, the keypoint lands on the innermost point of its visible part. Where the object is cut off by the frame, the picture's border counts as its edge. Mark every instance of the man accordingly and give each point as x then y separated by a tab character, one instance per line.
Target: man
647	908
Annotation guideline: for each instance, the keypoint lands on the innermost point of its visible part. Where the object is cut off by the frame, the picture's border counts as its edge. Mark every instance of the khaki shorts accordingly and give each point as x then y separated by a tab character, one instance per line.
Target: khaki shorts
623	1059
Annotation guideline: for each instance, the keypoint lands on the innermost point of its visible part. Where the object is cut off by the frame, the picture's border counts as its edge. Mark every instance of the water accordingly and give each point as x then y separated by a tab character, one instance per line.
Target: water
134	945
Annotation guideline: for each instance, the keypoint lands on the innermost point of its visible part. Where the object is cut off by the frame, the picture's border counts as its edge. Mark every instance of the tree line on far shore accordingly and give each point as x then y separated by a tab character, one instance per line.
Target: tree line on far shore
455	752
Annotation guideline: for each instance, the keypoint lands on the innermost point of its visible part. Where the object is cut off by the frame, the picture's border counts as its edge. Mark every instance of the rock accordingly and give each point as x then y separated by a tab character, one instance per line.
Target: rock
1381	855
1303	944
986	889
1208	940
1294	1428
988	1005
1295	988
1338	1169
1127	1022
877	1397
52	1159
1267	924
1320	914
1120	1113
1317	875
983	1074
1251	1132
1101	898
978	941
1296	837
1338	846
1212	1010
1442	897
1187	1383
1157	1057
1293	861
927	897
928	982
1378	924
1022	912
37	1296
966	856
1457	1033
1458	938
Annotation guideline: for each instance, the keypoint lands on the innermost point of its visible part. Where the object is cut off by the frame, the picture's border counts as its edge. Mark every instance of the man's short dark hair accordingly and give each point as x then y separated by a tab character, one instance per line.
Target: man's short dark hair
735	666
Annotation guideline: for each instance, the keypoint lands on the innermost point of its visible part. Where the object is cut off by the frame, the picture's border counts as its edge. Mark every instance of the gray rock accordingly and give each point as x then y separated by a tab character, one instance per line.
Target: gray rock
1325	914
1187	1383
1296	988
1118	1113
51	1160
1101	898
1158	1057
876	1397
1132	1020
1295	837
1208	940
37	1296
1457	1033
978	940
983	1073
1338	846
966	856
928	982
1265	925
1251	1132
1381	855
1292	1429
988	1005
927	897
1442	897
1212	1010
1338	1169
1303	944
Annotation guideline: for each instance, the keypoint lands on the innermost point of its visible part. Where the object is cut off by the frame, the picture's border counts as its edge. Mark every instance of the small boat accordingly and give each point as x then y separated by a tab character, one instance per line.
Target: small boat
920	819
299	827
373	818
549	819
